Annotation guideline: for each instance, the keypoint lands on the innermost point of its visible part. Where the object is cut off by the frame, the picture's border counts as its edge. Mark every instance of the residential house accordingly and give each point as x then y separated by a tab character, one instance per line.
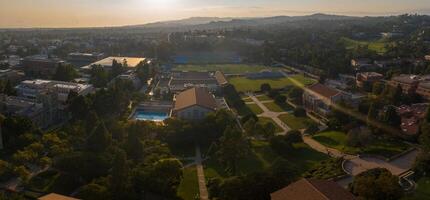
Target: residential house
309	189
318	99
411	117
367	78
194	104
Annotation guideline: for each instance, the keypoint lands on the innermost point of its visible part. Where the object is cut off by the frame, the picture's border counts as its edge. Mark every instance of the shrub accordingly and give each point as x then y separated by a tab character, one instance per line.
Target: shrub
299	112
294	136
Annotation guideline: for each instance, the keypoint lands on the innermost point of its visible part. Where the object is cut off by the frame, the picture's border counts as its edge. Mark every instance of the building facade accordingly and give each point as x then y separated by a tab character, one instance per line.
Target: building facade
194	104
318	99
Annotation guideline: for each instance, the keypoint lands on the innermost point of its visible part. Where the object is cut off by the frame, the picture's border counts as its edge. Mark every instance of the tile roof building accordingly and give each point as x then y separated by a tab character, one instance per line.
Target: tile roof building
318	98
194	104
411	117
308	189
54	196
181	81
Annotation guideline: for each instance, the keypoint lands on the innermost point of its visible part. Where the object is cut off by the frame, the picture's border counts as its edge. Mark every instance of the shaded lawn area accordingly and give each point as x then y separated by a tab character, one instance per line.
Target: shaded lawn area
189	187
422	191
243	84
53	181
255	108
226	68
303	158
264	120
296	123
264	98
382	147
274	107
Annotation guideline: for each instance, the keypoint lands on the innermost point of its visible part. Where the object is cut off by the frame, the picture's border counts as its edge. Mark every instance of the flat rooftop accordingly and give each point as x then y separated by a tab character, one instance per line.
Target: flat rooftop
131	61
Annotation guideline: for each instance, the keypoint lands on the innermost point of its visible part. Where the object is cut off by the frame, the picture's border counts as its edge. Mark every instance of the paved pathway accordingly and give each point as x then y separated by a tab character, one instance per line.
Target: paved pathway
270	114
201	176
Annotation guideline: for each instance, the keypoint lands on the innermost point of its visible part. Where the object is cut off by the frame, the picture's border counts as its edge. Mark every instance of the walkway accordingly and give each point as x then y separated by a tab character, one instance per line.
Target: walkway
270	114
201	175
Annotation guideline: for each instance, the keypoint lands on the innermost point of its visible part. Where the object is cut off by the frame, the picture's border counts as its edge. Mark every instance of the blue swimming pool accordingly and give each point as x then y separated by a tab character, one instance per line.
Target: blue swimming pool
150	116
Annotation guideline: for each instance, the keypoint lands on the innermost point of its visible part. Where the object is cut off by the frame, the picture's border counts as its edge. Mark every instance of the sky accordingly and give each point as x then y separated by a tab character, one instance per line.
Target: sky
101	13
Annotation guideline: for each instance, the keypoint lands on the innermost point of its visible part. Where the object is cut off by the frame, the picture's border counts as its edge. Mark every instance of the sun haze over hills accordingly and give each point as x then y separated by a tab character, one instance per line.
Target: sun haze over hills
97	13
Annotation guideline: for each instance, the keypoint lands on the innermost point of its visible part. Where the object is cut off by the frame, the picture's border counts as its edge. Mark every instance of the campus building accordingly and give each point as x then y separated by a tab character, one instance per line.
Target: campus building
181	81
309	189
318	99
130	63
367	78
194	104
411	117
40	66
408	83
81	59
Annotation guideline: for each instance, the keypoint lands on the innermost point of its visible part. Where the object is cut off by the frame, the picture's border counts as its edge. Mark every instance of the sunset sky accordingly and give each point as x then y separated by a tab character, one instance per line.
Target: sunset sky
88	13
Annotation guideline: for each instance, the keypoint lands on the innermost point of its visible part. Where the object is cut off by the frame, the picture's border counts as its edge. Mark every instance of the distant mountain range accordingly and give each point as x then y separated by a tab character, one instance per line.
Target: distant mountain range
217	22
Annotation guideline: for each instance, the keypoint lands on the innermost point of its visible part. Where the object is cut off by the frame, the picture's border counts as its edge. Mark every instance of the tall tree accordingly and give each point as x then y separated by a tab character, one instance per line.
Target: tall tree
120	175
233	147
100	139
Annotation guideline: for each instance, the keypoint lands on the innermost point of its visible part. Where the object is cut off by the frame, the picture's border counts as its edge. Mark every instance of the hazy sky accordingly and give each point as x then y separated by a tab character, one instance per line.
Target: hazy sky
84	13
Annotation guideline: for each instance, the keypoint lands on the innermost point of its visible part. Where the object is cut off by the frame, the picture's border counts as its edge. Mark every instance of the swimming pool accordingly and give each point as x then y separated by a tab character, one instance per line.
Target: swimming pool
150	116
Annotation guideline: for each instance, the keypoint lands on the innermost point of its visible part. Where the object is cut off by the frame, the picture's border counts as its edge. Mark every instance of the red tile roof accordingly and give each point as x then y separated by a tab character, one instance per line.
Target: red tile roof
307	189
195	96
323	90
54	196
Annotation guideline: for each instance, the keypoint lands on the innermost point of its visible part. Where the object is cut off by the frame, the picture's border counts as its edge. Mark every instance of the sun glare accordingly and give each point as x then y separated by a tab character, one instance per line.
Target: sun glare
161	4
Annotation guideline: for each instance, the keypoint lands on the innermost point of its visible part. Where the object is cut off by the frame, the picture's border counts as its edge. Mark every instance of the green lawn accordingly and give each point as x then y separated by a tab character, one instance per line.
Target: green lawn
226	68
272	106
243	84
189	187
422	192
264	120
302	158
255	108
381	147
378	46
296	123
264	98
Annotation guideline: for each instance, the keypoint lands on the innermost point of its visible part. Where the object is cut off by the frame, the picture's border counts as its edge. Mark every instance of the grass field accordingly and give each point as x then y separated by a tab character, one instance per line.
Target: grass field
264	120
189	187
274	107
296	123
243	84
226	68
302	158
338	140
255	108
422	192
247	99
378	46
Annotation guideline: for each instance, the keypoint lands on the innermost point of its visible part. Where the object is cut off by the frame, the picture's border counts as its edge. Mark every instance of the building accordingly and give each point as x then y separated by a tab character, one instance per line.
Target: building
360	63
427	57
128	62
220	78
18	106
129	76
409	83
54	196
308	189
181	81
318	98
367	78
38	89
14	76
83	59
40	66
411	117
194	104
424	90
